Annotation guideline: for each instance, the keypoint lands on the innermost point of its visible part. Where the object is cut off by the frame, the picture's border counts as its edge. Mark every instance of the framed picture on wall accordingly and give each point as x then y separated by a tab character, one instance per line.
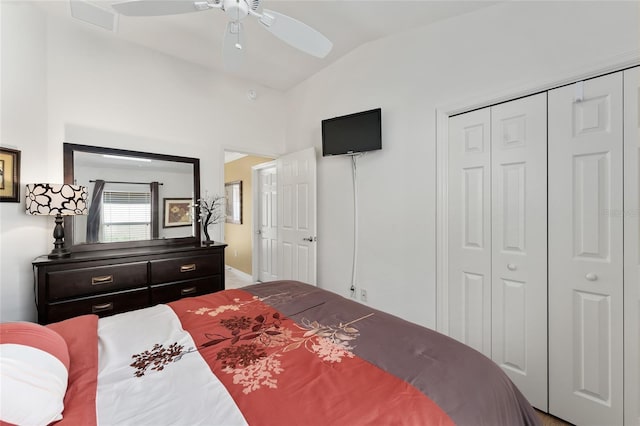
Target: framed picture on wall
233	195
177	212
9	175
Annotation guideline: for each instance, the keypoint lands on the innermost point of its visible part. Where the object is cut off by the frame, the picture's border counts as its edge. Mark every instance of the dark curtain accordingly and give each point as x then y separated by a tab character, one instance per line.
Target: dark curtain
154	211
93	219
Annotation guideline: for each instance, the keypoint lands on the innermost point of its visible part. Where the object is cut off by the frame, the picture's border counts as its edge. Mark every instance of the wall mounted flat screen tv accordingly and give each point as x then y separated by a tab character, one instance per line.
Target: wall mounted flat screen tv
353	133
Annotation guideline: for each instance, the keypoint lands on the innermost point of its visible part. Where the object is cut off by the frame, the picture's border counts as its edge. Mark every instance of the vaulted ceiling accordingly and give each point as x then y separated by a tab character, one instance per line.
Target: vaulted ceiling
198	37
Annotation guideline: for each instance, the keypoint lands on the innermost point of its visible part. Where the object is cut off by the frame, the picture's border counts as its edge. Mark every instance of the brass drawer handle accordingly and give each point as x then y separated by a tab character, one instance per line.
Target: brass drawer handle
188	268
101	308
106	279
188	290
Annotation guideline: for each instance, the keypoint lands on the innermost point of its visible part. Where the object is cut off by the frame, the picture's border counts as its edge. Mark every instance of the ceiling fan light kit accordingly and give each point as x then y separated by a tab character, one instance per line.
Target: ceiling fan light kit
293	32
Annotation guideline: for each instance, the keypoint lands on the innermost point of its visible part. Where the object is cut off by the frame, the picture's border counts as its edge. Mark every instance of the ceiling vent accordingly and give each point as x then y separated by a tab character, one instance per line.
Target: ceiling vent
93	14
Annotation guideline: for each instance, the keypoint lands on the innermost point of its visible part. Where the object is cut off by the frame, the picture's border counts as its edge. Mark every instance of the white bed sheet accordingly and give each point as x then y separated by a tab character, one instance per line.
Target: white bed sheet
184	392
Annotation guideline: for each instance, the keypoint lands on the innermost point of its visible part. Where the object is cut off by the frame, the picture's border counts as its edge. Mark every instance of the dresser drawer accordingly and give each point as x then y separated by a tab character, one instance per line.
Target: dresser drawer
185	268
108	304
100	279
164	293
110	281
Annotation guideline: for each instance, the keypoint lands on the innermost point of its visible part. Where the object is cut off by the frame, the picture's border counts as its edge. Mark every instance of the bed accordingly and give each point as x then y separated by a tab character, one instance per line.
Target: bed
283	353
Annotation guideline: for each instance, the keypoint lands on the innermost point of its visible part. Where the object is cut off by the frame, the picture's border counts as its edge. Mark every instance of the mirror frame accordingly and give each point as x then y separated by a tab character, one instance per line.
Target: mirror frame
70	149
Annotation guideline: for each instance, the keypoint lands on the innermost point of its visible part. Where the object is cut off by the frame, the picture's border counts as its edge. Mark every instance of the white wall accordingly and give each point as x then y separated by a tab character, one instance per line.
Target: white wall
409	76
58	77
23	126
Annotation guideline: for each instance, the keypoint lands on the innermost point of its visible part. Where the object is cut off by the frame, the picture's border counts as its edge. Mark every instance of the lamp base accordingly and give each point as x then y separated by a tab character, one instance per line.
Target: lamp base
59	249
58	253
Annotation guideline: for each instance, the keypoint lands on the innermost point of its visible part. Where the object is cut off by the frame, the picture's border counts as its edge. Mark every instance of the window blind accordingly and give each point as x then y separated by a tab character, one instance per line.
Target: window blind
126	216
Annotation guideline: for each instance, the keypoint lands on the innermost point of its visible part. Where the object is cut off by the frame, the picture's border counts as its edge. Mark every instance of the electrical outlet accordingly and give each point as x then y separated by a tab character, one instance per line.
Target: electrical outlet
363	294
235	253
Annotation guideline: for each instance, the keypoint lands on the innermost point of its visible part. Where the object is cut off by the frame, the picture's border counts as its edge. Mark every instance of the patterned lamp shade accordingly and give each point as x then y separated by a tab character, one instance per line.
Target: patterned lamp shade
51	199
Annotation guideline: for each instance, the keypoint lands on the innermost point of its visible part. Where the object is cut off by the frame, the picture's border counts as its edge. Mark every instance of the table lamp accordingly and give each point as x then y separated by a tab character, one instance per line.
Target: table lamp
56	200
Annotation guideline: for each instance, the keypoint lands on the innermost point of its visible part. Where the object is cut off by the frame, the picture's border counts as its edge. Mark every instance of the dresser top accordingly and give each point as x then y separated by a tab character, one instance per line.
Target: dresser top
126	252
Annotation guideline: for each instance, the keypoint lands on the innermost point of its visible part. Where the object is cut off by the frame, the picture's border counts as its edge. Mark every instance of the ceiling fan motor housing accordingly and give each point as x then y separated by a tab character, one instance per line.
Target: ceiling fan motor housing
239	9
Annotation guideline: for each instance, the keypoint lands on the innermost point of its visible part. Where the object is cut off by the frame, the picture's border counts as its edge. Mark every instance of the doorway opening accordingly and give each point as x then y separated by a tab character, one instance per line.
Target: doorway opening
240	226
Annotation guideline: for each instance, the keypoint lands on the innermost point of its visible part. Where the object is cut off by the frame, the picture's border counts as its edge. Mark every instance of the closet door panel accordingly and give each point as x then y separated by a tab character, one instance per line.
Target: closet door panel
469	272
519	243
585	251
632	245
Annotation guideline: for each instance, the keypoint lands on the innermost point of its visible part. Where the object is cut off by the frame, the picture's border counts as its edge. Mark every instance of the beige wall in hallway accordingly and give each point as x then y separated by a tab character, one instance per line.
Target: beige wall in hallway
238	237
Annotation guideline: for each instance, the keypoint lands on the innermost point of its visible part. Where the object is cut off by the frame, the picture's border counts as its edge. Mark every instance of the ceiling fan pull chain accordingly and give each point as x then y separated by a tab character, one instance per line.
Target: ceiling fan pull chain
238	45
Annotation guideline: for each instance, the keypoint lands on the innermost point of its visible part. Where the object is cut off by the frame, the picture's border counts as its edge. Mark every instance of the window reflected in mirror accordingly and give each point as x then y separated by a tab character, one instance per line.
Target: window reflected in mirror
126	214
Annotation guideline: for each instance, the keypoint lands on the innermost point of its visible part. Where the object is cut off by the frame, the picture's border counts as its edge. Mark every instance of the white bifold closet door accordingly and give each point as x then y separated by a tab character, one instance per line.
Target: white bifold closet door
632	245
585	251
497	287
469	254
519	244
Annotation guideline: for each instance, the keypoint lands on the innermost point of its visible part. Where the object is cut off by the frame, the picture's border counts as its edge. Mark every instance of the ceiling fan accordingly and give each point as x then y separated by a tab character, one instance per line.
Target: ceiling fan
289	30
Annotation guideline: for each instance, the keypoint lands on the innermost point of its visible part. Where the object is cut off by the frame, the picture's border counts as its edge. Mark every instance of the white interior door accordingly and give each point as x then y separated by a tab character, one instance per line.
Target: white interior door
519	243
297	216
469	274
267	222
632	245
585	252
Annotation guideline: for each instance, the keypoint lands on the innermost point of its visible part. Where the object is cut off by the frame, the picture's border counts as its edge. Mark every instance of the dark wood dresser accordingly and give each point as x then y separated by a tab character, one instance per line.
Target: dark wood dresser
107	282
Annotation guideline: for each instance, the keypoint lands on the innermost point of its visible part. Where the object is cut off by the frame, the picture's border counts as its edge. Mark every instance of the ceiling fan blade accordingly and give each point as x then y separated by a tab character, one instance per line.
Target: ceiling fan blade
158	7
296	33
233	45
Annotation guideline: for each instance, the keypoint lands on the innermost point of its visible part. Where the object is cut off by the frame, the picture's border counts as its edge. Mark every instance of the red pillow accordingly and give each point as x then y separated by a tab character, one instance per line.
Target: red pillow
81	335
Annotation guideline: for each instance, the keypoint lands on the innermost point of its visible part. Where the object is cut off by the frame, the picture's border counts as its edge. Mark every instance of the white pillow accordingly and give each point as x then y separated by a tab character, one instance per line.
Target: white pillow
34	369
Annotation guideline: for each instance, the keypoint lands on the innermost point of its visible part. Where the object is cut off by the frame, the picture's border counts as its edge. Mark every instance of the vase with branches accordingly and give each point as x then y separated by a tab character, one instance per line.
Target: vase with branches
211	212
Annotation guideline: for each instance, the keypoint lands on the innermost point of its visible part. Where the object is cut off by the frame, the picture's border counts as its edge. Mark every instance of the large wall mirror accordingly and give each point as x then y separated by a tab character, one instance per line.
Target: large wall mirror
135	198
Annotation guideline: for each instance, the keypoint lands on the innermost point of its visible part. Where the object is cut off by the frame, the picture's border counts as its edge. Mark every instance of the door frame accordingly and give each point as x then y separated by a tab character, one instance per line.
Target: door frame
445	111
255	248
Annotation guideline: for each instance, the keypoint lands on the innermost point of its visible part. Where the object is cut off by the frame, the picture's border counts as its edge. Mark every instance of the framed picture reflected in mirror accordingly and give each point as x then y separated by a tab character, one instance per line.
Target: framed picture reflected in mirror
177	212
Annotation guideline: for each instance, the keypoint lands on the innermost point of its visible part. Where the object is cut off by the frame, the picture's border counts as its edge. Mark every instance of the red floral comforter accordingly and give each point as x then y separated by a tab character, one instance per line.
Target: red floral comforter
289	353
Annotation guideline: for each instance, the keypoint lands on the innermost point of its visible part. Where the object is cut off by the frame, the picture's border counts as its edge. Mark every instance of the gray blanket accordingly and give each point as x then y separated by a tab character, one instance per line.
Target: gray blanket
468	386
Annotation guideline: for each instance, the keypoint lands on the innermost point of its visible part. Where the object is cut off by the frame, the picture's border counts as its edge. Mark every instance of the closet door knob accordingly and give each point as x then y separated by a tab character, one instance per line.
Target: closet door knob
512	267
591	276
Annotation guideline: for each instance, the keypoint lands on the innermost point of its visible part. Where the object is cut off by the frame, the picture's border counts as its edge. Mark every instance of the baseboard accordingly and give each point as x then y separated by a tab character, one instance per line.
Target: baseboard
238	272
